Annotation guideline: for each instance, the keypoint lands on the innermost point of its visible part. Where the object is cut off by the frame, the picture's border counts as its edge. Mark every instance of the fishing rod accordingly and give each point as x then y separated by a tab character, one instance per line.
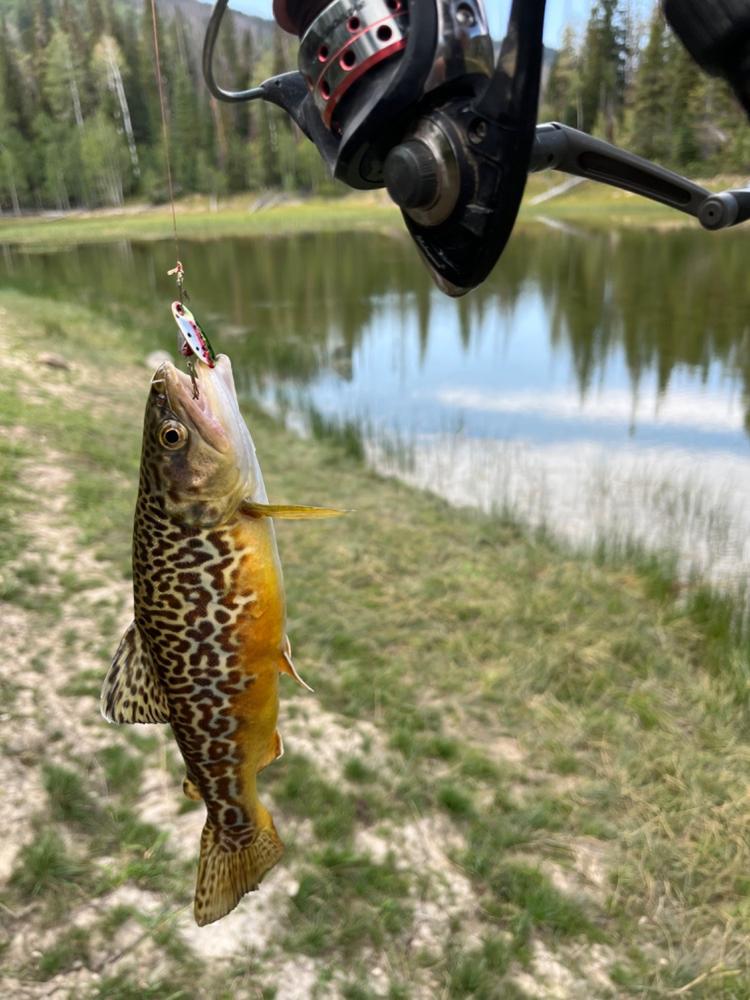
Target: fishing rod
407	95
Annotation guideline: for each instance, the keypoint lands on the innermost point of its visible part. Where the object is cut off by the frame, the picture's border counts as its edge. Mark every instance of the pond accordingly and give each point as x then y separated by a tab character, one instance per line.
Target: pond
598	384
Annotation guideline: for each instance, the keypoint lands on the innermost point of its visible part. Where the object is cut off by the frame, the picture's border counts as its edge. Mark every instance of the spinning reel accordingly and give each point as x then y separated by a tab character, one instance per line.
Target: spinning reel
406	95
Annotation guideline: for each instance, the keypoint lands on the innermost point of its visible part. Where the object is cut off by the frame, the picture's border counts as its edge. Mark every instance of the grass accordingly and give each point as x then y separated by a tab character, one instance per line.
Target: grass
44	866
476	973
348	903
237	216
71	947
505	707
303	793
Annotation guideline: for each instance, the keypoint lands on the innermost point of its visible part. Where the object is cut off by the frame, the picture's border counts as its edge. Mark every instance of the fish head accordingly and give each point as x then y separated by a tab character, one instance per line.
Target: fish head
198	456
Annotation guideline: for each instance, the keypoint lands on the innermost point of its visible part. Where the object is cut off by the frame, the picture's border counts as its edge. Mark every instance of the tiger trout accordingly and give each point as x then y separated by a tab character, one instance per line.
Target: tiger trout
208	641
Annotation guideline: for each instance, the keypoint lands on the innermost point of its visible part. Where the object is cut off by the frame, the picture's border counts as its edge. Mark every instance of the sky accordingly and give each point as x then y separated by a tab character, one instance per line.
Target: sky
559	13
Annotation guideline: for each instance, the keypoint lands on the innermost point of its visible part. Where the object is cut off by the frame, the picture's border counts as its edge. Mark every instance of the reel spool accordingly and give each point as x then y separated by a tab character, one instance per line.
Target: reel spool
406	95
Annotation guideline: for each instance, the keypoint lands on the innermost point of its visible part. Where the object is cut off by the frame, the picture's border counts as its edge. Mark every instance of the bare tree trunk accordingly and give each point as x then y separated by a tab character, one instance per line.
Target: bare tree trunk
117	87
74	94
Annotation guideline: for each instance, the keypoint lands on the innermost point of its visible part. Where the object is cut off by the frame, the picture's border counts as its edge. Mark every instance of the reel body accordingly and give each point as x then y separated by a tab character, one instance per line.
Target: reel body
406	95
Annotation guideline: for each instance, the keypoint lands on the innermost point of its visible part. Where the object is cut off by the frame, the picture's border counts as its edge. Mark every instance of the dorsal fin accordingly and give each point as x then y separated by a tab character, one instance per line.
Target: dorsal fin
131	691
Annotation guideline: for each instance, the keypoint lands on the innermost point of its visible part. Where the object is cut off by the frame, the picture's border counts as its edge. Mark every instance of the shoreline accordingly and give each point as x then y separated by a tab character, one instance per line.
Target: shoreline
275	213
508	740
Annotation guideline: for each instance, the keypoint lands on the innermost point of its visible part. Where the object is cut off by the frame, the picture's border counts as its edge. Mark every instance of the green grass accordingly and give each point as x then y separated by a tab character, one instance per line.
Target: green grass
348	435
132	986
71	947
45	866
535	905
590	202
476	973
348	902
302	792
357	771
122	770
197	221
69	799
522	702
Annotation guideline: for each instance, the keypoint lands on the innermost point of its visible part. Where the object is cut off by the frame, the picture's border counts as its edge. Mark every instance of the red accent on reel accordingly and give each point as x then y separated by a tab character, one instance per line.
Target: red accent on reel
334	98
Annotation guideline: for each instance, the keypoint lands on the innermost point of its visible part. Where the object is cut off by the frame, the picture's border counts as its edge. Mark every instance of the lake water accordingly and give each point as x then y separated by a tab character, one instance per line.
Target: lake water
598	383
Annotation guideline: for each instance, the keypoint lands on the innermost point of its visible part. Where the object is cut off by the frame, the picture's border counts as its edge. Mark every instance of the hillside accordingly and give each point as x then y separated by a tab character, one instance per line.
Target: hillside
194	15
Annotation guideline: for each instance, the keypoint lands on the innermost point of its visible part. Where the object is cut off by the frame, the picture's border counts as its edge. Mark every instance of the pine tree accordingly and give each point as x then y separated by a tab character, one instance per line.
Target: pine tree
246	79
149	127
562	98
105	162
690	132
96	18
652	97
185	135
13	182
603	70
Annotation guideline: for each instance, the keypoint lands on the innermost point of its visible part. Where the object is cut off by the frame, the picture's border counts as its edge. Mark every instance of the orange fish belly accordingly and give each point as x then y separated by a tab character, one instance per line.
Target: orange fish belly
224	717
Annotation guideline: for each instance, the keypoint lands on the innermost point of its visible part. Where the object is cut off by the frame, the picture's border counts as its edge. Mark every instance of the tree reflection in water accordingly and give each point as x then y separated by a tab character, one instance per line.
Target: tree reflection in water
289	307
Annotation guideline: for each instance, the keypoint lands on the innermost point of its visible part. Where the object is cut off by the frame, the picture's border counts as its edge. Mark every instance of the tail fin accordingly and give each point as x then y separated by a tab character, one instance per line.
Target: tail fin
224	877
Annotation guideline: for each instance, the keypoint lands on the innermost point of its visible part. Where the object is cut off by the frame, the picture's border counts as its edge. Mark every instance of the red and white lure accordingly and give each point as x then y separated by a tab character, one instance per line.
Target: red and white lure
194	340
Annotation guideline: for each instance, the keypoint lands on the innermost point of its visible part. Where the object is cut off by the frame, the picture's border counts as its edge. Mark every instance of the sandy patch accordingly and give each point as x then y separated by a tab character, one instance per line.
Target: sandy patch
328	739
553	977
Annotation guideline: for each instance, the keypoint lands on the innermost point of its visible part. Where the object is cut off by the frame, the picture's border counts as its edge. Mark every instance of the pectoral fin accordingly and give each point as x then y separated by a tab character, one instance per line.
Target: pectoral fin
132	692
287	511
286	665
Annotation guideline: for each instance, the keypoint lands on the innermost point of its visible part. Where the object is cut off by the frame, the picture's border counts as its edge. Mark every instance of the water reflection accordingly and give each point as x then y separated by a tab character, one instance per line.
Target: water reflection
584	349
660	304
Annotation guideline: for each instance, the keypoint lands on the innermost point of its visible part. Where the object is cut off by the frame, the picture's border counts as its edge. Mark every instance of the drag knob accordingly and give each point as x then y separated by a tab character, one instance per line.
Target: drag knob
411	175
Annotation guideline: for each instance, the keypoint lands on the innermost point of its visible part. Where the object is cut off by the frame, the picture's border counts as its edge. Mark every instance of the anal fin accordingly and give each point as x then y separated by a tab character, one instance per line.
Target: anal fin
132	692
191	790
275	750
286	664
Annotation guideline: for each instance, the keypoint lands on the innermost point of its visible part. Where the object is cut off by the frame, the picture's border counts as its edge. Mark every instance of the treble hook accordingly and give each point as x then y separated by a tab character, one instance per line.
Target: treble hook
193	378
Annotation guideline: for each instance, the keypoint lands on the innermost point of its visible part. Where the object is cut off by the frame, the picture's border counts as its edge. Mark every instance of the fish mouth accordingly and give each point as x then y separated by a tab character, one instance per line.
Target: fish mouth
194	408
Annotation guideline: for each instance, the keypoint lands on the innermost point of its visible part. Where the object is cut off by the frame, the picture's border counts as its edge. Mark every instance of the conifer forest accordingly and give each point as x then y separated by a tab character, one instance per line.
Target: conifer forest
80	119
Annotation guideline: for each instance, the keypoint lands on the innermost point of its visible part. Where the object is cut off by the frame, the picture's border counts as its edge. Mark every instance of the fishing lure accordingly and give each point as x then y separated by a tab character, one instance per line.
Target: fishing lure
194	340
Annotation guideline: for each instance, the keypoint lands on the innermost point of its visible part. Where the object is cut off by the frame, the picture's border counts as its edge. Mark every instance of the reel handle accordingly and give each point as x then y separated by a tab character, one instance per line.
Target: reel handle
560	147
728	208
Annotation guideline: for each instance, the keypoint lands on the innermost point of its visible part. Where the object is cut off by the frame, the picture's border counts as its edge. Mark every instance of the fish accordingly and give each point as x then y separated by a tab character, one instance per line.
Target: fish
208	641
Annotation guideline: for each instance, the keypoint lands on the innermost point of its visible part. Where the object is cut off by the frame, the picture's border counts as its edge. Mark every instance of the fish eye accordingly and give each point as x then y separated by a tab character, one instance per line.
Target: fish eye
172	435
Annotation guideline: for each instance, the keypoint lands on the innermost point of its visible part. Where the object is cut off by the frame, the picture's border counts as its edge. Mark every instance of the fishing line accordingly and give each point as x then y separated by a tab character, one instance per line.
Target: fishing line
194	341
165	135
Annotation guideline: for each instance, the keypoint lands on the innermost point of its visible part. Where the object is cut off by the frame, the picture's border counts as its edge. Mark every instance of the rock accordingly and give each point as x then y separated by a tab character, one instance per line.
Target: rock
54	361
156	358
